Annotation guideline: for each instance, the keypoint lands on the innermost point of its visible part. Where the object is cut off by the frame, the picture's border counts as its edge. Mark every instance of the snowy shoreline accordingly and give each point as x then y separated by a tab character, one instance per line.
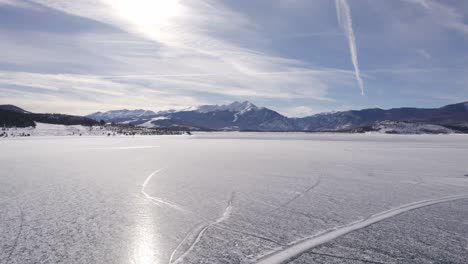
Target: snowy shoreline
46	130
51	130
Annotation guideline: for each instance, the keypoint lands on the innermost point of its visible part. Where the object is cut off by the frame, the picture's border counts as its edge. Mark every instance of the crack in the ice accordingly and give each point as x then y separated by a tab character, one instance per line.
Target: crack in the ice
248	234
341	257
223	217
391	255
299	195
18	235
192	230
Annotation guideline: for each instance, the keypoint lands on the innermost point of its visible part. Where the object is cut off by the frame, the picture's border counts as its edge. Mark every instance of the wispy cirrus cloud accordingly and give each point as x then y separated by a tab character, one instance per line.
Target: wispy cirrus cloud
15	3
423	3
159	54
88	92
444	14
201	49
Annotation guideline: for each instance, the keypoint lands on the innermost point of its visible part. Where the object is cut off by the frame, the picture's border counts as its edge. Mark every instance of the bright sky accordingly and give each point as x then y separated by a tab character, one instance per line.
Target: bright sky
298	57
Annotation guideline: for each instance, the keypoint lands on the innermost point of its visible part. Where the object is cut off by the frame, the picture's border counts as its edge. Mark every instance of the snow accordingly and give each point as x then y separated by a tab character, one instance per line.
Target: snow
236	116
149	123
410	128
128	121
43	129
156	200
125	113
106	199
235	107
223	217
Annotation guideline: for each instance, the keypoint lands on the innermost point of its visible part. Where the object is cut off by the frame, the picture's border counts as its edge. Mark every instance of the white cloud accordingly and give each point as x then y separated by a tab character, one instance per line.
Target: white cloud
423	3
302	111
82	94
445	15
172	54
89	93
424	54
185	46
16	3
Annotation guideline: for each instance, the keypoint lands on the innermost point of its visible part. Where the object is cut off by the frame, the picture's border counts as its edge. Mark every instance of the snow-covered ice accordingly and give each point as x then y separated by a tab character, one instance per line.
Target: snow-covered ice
221	197
433	234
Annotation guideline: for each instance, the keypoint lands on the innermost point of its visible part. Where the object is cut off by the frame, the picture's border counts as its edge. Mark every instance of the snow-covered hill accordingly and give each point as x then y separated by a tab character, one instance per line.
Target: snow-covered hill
396	127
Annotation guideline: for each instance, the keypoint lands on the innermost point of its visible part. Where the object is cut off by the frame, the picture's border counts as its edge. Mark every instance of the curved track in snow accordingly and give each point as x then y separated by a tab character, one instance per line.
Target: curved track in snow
156	200
223	217
296	249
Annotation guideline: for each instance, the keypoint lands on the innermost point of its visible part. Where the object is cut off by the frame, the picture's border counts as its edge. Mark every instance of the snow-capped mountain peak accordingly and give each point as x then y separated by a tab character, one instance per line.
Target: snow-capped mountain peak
124	113
235	107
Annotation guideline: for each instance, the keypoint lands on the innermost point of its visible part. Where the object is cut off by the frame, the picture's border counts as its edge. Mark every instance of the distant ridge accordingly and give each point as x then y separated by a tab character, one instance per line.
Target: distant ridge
245	116
121	114
13	108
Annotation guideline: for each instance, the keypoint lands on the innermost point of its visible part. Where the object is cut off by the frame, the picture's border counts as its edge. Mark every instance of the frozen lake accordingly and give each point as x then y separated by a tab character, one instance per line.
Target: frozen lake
231	198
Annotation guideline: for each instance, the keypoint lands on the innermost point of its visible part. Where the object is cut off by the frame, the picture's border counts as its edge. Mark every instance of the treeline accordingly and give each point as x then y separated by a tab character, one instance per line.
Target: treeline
13	119
9	118
60	119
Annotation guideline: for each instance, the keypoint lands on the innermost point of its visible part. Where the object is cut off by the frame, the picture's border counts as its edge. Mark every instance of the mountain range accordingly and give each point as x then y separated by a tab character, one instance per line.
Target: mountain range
245	116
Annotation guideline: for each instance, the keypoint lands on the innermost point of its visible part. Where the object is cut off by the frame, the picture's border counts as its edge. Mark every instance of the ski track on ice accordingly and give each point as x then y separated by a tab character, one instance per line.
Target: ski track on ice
298	248
155	200
299	195
135	147
223	217
18	235
123	148
198	226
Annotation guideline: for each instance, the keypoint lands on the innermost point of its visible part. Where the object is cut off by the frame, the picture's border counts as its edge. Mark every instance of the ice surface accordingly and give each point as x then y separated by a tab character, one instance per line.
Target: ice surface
82	199
299	248
434	234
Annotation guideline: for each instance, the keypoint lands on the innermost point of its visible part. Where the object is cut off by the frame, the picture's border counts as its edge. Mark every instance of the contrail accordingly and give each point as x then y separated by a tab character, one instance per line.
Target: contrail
344	19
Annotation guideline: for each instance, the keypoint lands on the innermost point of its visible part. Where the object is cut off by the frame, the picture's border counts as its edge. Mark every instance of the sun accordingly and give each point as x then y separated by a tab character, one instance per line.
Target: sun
146	13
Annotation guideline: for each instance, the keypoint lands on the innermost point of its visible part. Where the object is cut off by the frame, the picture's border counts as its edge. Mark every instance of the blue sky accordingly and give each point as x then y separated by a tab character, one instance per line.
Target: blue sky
298	57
